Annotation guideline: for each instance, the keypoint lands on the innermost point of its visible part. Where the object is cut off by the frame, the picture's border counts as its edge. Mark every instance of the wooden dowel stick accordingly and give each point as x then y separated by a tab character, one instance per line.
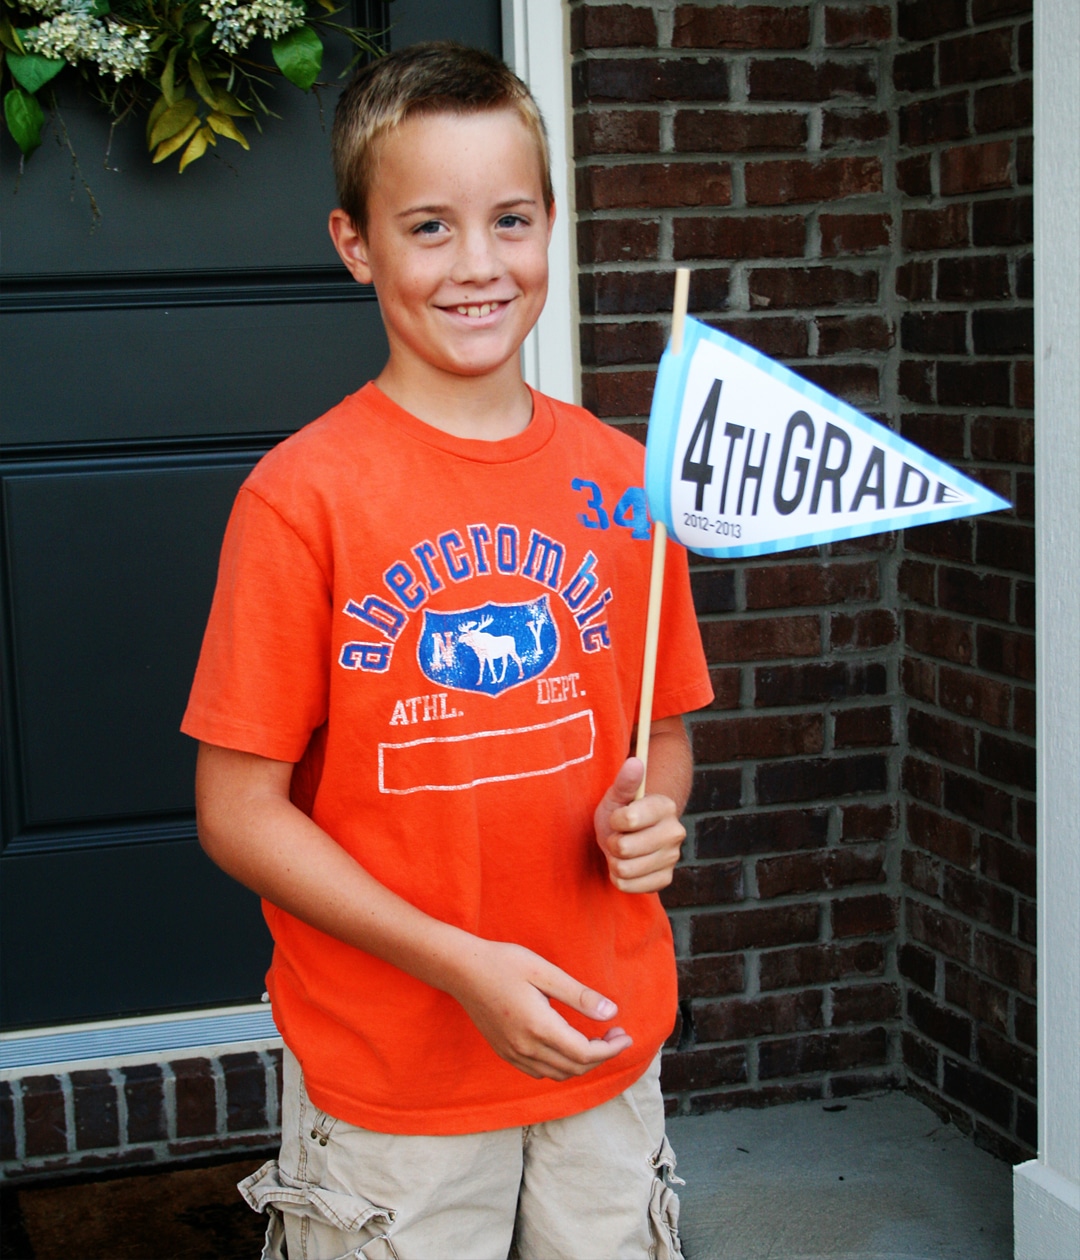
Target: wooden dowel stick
659	554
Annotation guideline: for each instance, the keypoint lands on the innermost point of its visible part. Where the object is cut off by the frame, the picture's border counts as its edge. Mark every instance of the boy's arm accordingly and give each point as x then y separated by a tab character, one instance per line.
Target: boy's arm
251	829
642	840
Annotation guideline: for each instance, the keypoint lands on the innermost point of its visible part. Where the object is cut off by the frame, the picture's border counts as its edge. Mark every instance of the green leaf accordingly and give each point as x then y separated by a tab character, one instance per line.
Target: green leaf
159	107
172	121
226	103
10	37
99	8
299	56
168	76
25	119
225	126
175	142
197	147
32	71
200	81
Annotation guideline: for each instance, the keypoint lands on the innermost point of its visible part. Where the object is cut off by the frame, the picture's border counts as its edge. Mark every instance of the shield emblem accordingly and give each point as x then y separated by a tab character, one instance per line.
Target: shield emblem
490	648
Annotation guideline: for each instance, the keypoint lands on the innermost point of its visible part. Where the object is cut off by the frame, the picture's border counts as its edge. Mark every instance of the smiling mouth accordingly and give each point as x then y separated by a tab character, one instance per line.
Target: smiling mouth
478	312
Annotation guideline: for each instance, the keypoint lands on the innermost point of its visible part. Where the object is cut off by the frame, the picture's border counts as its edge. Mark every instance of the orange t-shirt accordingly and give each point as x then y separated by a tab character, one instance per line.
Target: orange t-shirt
447	635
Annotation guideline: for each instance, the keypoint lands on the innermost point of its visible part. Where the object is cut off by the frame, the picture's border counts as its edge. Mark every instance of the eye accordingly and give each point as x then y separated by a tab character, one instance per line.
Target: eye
429	227
513	221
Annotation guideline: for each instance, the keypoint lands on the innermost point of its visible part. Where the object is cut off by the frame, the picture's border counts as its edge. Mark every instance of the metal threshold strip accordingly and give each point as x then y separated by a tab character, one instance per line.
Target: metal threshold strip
147	1039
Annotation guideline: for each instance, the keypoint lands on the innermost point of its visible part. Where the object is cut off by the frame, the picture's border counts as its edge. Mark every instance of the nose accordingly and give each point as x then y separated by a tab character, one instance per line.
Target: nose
477	260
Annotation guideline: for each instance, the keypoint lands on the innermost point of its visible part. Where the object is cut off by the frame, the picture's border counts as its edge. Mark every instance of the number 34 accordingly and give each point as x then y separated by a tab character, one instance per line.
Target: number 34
629	513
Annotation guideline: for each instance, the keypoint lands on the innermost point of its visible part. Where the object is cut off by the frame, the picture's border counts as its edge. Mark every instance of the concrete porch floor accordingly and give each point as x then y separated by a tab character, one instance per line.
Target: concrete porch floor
875	1178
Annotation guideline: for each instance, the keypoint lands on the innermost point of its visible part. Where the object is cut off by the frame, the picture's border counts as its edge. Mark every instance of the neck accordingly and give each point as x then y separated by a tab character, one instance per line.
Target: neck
486	408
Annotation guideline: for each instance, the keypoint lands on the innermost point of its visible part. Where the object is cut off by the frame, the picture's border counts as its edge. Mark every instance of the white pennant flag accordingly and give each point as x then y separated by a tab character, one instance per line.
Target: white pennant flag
745	458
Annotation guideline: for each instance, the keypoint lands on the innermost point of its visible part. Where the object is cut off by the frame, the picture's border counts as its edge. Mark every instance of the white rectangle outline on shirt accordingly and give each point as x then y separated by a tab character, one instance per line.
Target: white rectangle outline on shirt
495	778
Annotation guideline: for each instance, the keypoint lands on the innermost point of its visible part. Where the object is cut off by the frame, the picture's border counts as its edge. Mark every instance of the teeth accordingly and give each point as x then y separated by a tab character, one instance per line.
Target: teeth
477	312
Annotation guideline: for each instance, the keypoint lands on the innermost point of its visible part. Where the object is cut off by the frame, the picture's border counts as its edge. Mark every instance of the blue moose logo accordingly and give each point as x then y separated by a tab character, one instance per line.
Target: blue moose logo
488	649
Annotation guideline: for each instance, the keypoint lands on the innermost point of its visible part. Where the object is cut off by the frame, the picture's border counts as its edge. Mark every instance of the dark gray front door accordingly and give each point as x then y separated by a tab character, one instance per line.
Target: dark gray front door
146	363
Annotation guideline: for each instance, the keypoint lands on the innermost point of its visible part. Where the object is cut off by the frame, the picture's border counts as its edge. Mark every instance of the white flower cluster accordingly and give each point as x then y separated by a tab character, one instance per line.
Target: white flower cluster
72	33
237	23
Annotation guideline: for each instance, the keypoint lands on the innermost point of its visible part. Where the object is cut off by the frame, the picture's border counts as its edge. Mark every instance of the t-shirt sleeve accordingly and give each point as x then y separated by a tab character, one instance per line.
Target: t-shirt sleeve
263	675
682	675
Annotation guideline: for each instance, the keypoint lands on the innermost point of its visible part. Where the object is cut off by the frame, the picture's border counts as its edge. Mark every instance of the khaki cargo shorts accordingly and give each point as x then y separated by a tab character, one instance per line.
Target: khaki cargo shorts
595	1186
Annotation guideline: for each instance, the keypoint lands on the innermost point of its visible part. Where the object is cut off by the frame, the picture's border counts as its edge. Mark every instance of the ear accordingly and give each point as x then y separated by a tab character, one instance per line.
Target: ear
551	219
350	245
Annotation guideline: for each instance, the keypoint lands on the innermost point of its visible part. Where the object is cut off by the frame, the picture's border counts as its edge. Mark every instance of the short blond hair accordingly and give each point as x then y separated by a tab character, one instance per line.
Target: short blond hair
430	78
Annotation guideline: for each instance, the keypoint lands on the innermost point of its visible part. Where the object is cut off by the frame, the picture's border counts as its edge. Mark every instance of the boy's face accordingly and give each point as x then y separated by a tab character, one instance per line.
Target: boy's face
456	242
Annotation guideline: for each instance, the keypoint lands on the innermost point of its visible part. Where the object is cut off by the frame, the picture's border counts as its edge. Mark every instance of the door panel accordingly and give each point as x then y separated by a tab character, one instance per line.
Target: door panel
147	361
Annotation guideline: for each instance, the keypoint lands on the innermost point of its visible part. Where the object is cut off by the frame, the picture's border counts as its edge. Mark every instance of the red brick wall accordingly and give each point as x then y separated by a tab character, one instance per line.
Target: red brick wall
752	144
964	279
841	177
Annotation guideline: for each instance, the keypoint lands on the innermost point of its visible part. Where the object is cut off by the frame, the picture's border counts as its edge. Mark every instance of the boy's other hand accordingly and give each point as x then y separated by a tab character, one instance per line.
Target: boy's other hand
505	993
641	840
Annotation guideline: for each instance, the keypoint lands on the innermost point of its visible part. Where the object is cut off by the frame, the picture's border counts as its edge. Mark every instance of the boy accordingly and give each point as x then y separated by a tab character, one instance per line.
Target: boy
415	701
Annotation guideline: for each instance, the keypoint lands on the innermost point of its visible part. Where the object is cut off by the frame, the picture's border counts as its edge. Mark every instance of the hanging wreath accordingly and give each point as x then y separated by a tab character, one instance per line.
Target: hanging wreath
187	66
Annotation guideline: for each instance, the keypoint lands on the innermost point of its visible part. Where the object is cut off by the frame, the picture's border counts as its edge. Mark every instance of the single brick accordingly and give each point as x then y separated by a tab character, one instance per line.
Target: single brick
820	964
1007	439
753	27
846	28
714	790
1003	221
779	783
872	915
617	393
96	1112
914	71
919	679
852	126
738	738
938	930
985	1001
646	292
975	695
612	26
978	802
791	79
711	975
984	277
648	79
1005	545
1008	864
616	131
973	384
759	639
969	58
856	383
727	930
946	638
920	872
922	779
726	685
941	737
916	382
700	1069
782	337
646	186
797	585
864	728
196	1105
821	1052
1024	385
144	1094
854	234
713	590
811	286
1006	652
978	1091
1004	332
1025	604
733	131
871	628
915	281
43	1116
734	835
1007	761
951	540
976	168
936	120
920	1057
820	870
947	837
737	1019
818	682
711	884
8	1150
608	345
978	899
1004	107
1024	711
1026	922
917	965
793	180
923	19
865	1003
618	240
245	1091
1006	1060
841	334
1025	160
943	227
773	236
947	1028
1026	1023
867	822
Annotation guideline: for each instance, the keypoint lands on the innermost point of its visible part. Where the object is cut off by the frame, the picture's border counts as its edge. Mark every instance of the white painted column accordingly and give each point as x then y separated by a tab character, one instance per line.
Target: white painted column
536	45
1046	1190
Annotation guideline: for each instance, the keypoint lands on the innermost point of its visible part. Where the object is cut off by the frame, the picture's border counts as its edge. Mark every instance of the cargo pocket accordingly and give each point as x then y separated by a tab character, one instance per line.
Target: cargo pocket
664	1206
266	1191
